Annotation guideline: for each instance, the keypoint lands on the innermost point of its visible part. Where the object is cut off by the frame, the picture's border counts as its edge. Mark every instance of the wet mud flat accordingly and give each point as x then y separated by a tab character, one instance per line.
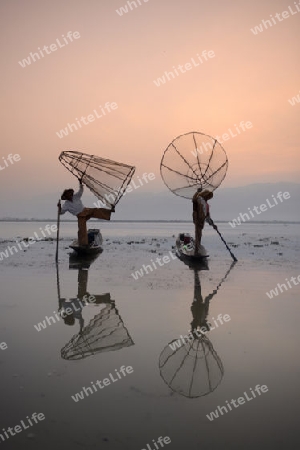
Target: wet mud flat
175	383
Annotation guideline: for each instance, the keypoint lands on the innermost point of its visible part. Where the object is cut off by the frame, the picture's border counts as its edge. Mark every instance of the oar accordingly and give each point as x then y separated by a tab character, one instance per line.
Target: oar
216	228
57	233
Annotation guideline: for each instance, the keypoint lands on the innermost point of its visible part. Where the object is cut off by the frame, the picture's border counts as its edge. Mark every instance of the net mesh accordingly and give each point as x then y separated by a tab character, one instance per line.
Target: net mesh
193	161
105	332
105	178
193	370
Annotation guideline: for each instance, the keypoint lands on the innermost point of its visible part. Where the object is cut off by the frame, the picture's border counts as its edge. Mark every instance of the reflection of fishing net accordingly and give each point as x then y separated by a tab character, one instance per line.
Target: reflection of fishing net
105	178
105	332
193	370
192	161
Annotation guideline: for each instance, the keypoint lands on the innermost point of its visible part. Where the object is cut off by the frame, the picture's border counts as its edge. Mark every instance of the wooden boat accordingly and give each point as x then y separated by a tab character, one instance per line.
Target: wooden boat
94	246
185	249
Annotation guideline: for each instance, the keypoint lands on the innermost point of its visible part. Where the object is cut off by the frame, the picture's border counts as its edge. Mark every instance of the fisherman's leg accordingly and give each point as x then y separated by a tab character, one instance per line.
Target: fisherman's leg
200	233
199	237
100	213
82	283
195	217
82	231
196	238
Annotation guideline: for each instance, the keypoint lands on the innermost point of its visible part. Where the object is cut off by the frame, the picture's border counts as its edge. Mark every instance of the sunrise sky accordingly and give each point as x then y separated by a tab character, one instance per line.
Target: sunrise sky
117	58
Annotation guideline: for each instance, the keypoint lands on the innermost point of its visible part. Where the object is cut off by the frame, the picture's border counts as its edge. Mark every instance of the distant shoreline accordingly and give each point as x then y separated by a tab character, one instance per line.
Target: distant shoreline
280	222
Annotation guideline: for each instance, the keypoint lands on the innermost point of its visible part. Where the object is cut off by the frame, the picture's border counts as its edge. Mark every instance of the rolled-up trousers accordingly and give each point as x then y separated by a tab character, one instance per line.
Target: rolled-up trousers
198	220
86	214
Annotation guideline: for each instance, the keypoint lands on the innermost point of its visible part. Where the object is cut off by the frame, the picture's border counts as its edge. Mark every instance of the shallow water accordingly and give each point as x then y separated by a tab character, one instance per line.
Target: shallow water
133	326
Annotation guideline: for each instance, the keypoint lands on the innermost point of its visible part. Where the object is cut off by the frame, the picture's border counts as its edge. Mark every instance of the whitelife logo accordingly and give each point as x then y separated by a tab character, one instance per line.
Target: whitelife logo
132	5
86	119
11	158
294	100
161	441
279	18
106	382
168	76
3	346
160	261
18	428
186	339
206	146
31	240
274	292
241	401
110	198
33	57
69	311
259	209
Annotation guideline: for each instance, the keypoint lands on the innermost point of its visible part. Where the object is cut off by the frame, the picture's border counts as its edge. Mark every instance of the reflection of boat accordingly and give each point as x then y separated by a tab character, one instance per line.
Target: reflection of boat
94	246
82	262
185	250
104	332
190	366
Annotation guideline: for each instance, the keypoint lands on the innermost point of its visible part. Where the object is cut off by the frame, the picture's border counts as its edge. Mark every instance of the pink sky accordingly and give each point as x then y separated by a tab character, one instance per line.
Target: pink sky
116	59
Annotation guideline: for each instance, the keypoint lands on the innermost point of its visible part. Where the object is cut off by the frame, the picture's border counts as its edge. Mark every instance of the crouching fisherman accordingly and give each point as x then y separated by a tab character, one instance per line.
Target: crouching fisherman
73	205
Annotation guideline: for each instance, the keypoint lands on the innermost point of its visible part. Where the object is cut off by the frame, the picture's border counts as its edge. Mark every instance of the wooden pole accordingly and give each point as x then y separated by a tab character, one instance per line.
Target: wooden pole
57	233
223	240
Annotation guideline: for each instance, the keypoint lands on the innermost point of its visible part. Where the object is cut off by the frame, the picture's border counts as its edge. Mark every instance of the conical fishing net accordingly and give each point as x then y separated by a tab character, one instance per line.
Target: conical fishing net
193	370
192	161
105	178
105	332
190	365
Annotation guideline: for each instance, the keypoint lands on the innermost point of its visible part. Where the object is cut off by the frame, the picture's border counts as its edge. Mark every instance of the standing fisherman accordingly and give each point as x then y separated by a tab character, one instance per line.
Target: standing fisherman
201	214
73	205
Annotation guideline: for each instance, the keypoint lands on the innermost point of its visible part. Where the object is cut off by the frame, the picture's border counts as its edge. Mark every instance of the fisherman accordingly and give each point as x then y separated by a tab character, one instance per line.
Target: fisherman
201	214
73	205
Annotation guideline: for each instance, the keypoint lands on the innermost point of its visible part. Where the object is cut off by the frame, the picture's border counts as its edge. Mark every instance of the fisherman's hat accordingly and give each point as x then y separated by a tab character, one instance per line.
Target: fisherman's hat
207	195
63	195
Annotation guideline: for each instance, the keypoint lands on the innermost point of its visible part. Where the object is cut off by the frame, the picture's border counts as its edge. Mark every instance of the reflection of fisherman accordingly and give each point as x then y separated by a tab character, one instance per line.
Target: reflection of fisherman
70	310
73	205
201	214
199	309
200	312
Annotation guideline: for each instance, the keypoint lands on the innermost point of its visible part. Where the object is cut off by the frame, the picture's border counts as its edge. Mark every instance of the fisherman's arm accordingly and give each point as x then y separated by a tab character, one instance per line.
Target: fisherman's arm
211	222
61	209
80	191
